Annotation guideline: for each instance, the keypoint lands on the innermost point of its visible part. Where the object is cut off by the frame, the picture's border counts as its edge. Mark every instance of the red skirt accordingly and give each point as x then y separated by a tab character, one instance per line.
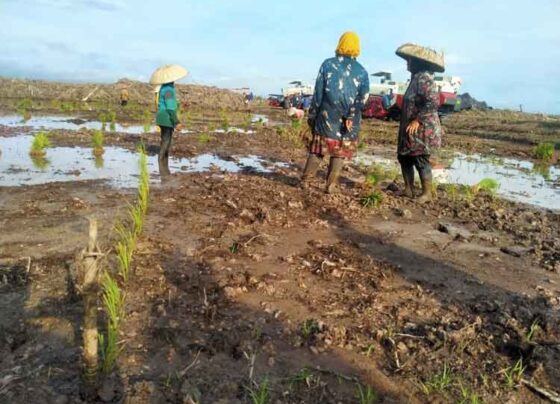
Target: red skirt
323	146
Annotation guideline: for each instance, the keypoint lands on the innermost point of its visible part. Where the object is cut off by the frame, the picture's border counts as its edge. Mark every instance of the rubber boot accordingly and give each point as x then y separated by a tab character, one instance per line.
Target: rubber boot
335	168
311	167
426	180
408	177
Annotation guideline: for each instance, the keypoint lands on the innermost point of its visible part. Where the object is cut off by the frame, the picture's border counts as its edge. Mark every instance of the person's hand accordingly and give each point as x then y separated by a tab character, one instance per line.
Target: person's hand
413	127
349	125
179	127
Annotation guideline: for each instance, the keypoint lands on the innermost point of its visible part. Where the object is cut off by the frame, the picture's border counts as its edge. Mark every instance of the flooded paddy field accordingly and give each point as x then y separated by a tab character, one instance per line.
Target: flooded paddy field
241	276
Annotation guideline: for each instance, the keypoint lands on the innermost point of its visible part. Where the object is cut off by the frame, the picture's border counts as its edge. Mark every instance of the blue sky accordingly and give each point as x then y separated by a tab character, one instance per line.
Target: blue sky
507	51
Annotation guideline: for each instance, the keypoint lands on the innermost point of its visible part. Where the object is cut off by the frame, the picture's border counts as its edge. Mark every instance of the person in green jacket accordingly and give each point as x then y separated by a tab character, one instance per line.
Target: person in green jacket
167	120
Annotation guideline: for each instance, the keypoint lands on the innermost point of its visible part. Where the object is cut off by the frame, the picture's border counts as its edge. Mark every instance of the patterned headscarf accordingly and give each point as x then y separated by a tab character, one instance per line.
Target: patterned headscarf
348	45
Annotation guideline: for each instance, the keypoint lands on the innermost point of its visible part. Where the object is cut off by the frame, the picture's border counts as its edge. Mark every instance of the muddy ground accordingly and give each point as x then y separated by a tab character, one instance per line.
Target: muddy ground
245	278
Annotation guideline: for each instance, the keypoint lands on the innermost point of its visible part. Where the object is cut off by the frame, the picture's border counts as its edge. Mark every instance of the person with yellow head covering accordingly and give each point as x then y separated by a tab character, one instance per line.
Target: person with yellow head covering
335	115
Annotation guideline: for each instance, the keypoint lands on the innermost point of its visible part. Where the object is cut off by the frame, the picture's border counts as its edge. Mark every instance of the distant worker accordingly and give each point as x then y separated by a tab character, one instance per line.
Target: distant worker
306	103
124	96
296	113
166	115
388	99
420	129
336	110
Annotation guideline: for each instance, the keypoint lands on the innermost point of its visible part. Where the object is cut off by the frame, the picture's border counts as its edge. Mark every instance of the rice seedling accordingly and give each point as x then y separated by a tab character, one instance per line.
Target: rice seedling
136	215
467	395
124	248
365	394
514	374
97	140
224	121
533	330
24	105
113	120
544	151
439	382
488	185
203	138
260	393
102	116
373	199
296	124
113	301
308	328
247	121
304	376
452	191
40	142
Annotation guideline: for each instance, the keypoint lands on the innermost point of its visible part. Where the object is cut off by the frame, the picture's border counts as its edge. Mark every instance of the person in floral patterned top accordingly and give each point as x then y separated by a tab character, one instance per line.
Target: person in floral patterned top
420	129
336	110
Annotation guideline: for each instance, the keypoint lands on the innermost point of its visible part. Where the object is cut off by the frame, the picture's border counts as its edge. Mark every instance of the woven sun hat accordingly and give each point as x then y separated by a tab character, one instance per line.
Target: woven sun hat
428	55
156	88
168	74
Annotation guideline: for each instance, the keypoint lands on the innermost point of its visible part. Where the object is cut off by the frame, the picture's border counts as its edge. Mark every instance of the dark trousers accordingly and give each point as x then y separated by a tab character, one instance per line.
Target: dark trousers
164	147
422	164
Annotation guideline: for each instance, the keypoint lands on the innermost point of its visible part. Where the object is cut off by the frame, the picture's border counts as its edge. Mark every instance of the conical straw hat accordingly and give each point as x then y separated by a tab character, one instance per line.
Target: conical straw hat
430	56
168	74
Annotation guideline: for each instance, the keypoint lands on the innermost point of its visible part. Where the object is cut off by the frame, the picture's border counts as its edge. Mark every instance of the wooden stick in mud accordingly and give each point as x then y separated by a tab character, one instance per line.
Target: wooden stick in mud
89	286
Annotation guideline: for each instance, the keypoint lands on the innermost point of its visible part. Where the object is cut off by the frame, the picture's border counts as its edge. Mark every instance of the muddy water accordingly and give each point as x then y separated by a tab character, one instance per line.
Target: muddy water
520	180
118	166
67	123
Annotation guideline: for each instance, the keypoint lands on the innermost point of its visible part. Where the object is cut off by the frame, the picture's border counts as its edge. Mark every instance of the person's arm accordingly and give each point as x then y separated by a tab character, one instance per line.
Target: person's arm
426	100
317	99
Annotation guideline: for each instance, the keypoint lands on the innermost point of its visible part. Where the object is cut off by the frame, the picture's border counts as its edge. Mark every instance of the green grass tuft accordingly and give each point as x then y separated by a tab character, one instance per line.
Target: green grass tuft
544	151
489	185
260	393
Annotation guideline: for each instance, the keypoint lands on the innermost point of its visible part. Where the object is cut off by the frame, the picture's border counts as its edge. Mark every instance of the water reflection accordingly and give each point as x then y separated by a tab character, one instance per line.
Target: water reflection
520	180
118	166
99	162
40	162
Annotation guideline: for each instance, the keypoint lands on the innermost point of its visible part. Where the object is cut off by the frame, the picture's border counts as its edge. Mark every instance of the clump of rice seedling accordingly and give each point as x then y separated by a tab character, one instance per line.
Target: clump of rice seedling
296	124
309	328
203	138
124	249
303	376
24	106
102	116
113	120
535	327
144	184
467	395
544	151
452	190
372	199
137	216
365	394
247	121
40	142
488	185
260	393
439	382
514	374
113	301
97	140
225	121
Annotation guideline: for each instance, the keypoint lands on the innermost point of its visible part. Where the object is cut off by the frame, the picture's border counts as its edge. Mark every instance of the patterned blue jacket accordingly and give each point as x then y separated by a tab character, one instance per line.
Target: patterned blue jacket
340	93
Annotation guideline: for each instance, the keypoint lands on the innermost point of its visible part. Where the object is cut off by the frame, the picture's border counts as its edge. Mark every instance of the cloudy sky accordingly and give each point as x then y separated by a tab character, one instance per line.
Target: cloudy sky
506	51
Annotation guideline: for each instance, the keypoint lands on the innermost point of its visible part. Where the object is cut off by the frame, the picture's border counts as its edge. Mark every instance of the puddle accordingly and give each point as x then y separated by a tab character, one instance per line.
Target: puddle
259	118
520	180
233	129
67	123
118	166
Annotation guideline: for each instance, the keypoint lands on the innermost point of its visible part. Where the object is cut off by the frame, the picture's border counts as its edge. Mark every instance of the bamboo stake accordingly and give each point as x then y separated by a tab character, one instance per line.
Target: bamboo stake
90	290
